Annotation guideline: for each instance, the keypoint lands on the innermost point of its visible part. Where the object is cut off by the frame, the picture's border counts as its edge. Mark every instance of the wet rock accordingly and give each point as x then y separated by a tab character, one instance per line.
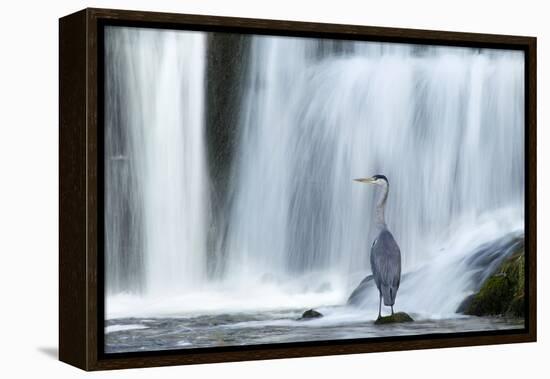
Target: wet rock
310	314
358	293
503	293
465	304
517	306
398	317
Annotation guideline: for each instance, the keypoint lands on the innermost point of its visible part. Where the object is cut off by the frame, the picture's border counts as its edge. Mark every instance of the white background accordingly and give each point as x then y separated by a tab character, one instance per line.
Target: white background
29	187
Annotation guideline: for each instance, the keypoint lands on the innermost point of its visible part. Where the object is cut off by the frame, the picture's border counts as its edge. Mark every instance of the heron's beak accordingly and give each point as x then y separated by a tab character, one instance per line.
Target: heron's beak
365	180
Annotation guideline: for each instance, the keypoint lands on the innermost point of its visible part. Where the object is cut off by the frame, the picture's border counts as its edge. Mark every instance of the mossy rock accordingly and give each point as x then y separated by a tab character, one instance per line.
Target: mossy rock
310	314
396	318
502	293
517	306
465	304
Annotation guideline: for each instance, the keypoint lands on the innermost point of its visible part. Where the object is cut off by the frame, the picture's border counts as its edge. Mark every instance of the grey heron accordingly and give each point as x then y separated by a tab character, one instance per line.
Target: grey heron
385	256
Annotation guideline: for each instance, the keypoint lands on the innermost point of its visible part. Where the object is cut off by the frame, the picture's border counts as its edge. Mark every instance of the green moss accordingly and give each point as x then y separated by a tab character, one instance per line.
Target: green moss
395	318
493	297
503	293
517	307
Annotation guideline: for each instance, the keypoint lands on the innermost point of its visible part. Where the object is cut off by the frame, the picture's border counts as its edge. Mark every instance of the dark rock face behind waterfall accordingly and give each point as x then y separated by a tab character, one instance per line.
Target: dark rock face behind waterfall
227	57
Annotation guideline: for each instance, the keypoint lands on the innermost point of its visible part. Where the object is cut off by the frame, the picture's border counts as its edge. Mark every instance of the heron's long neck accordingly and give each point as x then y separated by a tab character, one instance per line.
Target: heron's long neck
381	206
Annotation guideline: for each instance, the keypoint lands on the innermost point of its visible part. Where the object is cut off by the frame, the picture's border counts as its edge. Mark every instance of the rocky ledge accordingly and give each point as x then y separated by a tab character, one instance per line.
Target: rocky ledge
398	317
310	314
502	293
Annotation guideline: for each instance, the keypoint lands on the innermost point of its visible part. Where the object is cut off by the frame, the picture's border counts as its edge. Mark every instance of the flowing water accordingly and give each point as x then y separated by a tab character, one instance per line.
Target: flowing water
155	197
445	125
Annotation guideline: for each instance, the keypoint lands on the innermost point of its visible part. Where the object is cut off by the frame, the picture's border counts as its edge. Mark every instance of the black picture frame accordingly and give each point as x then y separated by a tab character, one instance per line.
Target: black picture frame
81	295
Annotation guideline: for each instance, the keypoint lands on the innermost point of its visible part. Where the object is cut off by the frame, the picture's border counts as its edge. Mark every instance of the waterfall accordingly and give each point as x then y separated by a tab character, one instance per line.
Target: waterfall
446	127
444	124
156	192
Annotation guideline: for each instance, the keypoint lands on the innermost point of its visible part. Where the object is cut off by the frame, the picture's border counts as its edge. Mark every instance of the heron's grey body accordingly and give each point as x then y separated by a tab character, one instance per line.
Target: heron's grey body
385	255
385	260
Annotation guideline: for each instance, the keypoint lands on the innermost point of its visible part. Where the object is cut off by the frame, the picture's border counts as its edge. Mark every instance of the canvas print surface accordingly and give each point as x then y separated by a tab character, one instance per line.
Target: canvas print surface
267	189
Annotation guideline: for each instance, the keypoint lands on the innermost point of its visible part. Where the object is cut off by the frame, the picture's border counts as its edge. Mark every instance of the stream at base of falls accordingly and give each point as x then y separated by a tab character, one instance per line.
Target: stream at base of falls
339	323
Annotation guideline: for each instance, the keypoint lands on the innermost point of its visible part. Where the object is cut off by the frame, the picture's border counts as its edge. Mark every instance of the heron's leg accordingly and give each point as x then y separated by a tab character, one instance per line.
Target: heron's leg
393	300
380	305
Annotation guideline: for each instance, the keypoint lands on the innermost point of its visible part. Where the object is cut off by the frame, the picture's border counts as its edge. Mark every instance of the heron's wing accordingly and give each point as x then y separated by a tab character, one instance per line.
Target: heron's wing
386	260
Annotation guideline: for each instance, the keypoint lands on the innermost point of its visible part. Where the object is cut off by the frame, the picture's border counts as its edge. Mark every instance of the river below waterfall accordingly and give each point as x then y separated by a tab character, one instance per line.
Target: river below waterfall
253	328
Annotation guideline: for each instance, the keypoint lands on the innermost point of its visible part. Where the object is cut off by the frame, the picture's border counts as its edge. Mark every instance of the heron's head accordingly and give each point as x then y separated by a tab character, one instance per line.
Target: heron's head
376	179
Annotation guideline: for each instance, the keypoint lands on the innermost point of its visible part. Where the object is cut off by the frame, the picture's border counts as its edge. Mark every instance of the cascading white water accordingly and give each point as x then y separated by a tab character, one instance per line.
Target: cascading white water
159	160
445	125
